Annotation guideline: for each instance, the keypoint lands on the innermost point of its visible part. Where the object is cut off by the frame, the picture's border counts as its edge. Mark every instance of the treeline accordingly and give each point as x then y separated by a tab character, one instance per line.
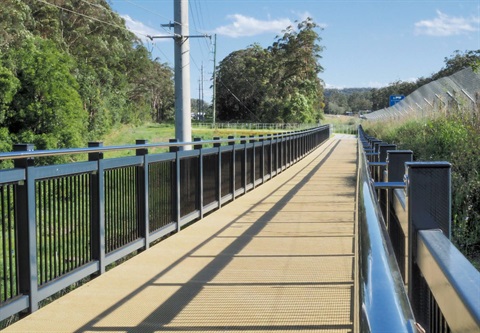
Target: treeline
275	84
341	101
70	71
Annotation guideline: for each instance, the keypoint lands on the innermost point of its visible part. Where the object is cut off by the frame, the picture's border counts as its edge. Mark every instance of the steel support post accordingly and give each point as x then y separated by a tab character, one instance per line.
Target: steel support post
97	190
142	193
219	175
428	207
232	179
25	207
200	174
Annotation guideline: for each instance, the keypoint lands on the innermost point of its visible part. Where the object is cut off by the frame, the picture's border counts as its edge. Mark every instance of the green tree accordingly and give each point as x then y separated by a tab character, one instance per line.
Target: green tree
458	61
9	85
360	101
116	79
242	83
45	108
298	53
16	22
336	102
278	84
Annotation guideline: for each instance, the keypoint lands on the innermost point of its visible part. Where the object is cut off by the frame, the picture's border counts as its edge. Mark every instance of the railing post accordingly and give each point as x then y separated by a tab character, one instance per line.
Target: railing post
219	175
396	160
395	172
381	177
376	150
270	168
178	213
97	192
372	148
428	207
383	154
142	193
277	152
252	141
243	141
25	207
262	161
232	179
289	149
200	173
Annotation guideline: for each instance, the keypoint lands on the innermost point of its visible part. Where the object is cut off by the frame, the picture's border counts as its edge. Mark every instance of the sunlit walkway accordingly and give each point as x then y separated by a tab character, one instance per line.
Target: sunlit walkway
280	258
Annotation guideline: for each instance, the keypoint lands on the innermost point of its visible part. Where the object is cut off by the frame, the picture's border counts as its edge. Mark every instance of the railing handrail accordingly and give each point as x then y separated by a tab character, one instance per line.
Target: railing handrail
75	151
385	304
415	197
443	265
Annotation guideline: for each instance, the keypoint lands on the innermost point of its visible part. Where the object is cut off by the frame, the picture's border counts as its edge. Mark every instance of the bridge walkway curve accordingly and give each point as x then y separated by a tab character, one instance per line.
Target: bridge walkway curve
280	258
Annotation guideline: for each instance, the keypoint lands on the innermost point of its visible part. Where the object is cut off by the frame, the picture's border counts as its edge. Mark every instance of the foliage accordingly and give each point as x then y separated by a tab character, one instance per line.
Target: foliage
43	106
71	71
277	84
454	138
341	101
458	61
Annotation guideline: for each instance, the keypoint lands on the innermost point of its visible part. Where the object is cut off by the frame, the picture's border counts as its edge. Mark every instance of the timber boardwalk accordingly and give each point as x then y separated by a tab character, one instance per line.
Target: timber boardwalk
279	258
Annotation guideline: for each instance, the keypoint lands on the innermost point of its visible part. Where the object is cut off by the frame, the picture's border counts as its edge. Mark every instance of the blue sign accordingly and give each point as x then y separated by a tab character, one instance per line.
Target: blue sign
394	99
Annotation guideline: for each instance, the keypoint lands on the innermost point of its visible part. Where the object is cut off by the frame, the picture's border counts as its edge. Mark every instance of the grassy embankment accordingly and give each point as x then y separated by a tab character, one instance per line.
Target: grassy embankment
156	133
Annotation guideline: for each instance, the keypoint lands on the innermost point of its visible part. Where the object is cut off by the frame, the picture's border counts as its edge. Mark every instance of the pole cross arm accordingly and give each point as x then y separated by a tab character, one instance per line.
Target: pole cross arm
179	36
159	37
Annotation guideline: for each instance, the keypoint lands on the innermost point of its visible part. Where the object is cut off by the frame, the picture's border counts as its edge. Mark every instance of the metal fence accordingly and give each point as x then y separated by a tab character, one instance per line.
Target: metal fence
63	223
256	126
459	89
415	198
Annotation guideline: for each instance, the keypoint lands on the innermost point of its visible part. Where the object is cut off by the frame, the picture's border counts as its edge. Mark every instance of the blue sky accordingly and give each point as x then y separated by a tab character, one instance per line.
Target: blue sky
368	43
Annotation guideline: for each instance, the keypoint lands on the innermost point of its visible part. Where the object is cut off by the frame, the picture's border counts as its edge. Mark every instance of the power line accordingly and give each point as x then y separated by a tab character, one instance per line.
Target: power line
87	16
154	13
238	99
160	50
194	10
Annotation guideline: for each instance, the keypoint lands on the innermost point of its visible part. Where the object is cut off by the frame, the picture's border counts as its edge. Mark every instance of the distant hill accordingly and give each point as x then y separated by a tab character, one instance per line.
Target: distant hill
345	91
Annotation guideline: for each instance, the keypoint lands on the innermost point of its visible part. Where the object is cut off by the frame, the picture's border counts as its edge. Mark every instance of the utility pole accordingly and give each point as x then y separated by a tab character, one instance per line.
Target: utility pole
214	102
201	97
183	109
183	118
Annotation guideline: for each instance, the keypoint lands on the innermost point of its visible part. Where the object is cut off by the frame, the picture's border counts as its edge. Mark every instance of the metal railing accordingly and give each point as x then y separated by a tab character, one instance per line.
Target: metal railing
63	223
384	303
443	287
351	129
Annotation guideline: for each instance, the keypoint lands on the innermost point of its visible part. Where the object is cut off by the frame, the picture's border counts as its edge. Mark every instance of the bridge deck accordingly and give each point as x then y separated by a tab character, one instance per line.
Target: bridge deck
280	258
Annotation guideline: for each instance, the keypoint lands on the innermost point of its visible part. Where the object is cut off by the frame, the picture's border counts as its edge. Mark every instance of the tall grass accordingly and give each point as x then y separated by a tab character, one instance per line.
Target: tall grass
448	134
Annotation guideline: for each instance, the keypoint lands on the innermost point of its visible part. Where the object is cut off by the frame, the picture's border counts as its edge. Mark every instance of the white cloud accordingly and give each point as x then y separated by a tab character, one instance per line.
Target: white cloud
140	29
243	26
445	25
